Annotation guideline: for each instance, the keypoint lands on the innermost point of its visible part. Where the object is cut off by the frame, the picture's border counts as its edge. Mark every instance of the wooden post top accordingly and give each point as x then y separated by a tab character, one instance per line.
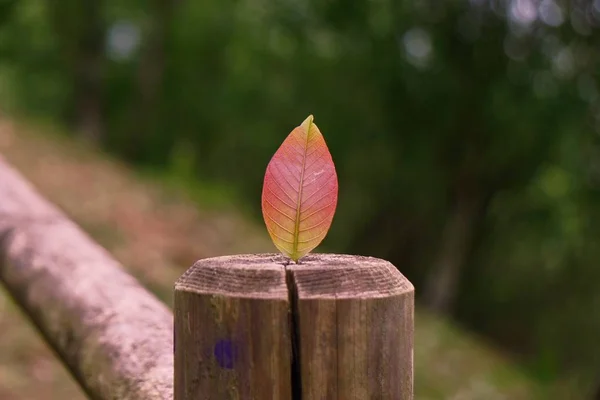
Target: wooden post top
255	326
318	276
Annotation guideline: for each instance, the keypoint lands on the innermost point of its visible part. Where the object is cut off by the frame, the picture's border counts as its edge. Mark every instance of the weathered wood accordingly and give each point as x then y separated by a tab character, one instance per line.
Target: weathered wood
246	327
355	327
114	337
350	323
232	331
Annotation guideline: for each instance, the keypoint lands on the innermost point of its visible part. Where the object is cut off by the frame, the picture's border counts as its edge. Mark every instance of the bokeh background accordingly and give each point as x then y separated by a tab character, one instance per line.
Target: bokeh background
465	135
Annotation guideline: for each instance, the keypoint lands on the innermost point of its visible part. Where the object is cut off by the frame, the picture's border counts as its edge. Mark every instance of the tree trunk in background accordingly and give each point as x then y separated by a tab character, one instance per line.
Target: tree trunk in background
89	70
150	74
89	89
81	30
441	287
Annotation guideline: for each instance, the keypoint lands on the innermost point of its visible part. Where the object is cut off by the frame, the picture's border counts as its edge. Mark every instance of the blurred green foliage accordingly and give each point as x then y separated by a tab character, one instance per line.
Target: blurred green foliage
465	133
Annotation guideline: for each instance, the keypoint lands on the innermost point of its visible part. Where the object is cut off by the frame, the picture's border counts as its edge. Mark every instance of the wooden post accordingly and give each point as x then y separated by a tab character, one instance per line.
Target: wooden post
232	332
332	327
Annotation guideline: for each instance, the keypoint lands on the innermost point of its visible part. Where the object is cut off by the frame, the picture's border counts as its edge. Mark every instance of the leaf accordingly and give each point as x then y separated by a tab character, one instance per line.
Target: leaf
300	192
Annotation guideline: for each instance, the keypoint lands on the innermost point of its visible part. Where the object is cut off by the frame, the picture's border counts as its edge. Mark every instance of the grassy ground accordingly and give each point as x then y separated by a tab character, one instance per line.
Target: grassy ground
156	232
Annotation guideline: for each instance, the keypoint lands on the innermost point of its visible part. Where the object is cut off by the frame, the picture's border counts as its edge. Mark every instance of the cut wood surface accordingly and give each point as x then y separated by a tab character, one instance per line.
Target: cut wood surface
354	323
113	335
232	332
349	320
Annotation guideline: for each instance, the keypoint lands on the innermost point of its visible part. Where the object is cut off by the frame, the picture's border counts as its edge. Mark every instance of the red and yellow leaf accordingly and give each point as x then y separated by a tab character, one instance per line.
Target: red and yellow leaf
300	192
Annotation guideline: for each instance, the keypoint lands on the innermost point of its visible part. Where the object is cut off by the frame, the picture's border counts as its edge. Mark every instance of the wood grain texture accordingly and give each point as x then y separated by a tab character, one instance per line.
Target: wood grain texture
114	337
354	320
349	320
232	331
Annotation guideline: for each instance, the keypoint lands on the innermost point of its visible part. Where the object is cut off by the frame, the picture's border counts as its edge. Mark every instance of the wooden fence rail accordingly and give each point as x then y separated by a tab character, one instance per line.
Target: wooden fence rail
245	327
115	337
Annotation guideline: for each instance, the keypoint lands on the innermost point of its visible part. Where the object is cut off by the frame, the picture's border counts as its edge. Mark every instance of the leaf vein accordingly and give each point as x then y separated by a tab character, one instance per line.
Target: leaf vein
304	218
279	237
286	181
316	149
319	199
319	180
316	161
296	180
278	198
279	211
321	222
278	224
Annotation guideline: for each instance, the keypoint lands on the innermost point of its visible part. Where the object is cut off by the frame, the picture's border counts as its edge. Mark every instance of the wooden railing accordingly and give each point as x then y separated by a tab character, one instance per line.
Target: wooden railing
114	336
245	327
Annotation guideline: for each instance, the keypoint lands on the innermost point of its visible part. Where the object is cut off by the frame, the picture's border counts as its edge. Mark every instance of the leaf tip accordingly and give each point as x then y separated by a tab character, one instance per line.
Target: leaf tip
308	121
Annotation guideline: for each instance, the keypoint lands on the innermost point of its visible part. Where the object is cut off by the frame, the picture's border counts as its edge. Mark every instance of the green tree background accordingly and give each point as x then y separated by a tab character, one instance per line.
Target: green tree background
465	133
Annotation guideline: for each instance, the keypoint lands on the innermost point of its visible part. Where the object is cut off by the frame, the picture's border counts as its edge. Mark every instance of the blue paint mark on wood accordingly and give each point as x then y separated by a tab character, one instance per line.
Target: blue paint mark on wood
225	352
